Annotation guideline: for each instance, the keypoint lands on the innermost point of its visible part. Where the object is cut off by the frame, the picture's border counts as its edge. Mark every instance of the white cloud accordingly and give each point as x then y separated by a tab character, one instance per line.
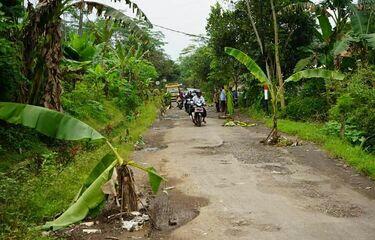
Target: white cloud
183	15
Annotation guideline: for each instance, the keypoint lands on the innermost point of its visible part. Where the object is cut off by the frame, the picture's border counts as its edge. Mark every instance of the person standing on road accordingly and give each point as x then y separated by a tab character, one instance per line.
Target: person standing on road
235	97
223	100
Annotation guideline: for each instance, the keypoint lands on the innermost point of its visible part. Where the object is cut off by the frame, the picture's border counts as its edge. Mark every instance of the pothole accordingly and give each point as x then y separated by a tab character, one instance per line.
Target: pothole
175	209
276	169
339	209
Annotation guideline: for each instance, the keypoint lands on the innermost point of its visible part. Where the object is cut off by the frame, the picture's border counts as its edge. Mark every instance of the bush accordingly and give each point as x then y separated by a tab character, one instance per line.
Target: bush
127	98
352	135
355	106
307	109
10	65
84	102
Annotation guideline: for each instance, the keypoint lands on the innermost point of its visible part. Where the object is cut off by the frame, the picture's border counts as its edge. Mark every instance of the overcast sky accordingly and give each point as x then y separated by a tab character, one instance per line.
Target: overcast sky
184	15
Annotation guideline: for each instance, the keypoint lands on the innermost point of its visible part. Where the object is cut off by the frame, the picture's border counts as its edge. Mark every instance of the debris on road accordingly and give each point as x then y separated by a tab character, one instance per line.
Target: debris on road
88	224
172	221
136	223
91	231
285	142
238	123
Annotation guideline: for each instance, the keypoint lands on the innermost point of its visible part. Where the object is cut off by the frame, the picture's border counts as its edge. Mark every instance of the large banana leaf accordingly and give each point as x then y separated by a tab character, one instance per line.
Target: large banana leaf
106	9
303	63
359	21
370	38
48	122
315	73
249	63
325	26
106	161
154	179
90	198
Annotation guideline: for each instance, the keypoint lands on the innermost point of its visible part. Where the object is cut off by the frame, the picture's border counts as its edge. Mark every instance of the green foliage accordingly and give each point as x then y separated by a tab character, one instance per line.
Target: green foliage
84	103
167	99
60	126
80	48
307	109
230	103
89	197
48	122
10	61
354	136
356	105
195	68
250	65
127	98
155	179
275	90
315	73
325	26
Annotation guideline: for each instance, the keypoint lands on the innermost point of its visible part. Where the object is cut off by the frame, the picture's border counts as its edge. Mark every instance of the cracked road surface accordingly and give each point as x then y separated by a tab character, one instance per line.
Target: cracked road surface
224	184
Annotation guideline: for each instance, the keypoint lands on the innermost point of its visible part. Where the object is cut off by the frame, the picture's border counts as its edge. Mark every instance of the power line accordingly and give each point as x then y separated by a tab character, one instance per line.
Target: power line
171	29
180	32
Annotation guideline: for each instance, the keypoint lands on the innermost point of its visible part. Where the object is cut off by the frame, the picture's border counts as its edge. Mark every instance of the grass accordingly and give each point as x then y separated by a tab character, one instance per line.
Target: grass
38	198
336	147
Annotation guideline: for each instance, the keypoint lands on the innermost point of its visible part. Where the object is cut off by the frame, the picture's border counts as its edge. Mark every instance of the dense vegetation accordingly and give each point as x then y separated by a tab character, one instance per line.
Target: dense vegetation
90	61
102	71
284	37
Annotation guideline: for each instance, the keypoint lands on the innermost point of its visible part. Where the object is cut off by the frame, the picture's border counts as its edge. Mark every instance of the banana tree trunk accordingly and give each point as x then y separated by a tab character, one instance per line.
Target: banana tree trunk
127	191
42	54
279	75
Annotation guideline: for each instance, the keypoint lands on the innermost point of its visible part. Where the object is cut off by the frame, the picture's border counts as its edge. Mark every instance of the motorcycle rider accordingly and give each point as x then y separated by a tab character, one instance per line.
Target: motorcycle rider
180	99
188	96
198	99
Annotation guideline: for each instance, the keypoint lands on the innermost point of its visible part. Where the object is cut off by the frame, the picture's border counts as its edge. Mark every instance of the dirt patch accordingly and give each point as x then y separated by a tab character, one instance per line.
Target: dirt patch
338	209
105	226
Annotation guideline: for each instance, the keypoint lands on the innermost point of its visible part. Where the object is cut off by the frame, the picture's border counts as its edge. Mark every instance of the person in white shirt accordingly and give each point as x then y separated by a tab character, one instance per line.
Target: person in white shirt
223	100
198	99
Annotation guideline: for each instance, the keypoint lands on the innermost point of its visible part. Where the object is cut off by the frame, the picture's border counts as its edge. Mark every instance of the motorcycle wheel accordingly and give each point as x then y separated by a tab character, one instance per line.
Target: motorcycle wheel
198	120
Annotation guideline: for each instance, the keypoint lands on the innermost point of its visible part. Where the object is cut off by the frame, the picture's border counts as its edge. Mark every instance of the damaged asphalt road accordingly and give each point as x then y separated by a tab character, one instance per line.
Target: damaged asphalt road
224	184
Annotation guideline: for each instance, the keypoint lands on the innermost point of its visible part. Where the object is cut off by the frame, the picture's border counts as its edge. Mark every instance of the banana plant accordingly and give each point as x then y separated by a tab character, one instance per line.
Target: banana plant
362	33
258	73
42	53
64	127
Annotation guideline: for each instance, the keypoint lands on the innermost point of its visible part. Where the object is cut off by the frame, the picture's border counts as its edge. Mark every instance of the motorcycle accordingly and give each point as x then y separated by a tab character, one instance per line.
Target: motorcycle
188	105
197	115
